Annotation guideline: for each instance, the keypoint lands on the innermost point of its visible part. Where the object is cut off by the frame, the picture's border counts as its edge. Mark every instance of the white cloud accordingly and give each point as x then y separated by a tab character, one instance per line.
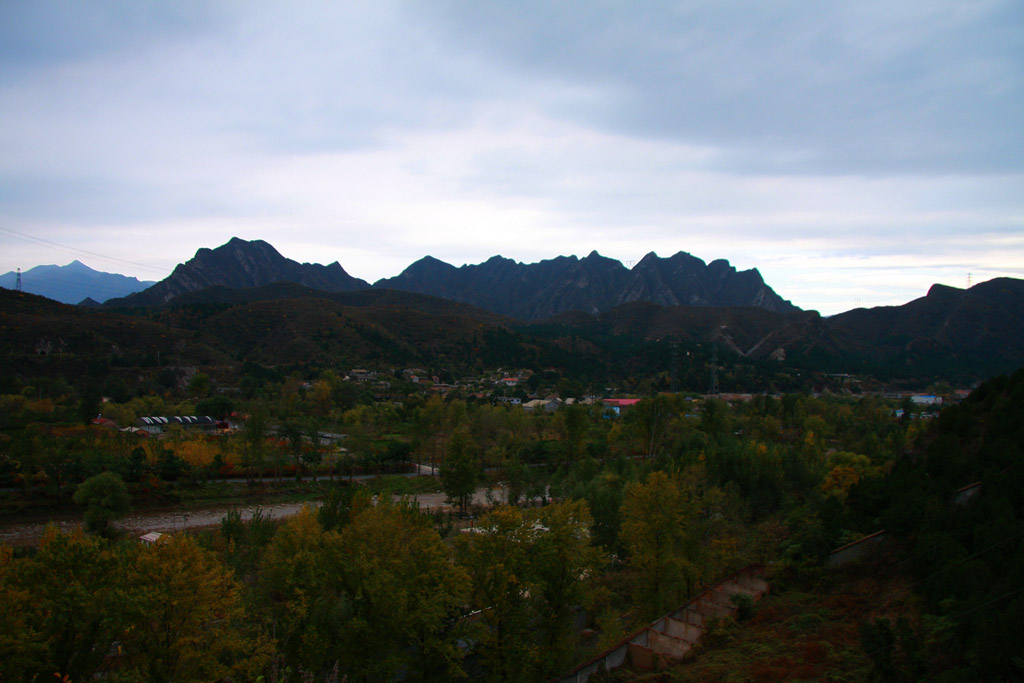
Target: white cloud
849	152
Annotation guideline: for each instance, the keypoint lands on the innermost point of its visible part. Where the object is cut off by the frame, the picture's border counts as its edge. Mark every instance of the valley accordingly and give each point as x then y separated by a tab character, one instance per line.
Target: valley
375	483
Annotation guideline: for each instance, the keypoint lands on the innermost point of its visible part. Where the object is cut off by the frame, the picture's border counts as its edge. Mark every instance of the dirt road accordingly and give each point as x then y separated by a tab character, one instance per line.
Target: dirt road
170	521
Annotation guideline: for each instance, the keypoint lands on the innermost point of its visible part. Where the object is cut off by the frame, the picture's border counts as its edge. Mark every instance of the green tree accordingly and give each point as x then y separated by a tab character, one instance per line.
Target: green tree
461	472
571	423
292	431
563	563
254	436
656	525
405	595
217	407
106	498
200	385
649	420
498	561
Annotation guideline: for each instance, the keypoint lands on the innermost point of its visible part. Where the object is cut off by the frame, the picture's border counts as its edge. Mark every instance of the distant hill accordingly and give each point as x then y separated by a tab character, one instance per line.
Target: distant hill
950	335
594	284
981	327
974	333
74	283
239	264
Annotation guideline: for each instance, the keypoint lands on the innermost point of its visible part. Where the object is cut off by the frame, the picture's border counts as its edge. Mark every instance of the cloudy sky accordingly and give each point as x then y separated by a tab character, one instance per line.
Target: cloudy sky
854	152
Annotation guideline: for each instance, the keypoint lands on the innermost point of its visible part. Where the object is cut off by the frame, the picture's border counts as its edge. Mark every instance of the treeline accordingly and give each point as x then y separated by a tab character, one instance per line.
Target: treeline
650	506
643	510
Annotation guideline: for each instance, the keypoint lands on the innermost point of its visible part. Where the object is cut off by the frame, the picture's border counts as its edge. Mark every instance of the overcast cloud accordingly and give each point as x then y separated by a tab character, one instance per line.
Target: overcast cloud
855	153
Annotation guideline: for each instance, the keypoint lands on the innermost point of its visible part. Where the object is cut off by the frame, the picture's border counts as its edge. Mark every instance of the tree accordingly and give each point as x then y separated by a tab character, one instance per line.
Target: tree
498	561
301	593
656	522
461	472
106	498
21	639
62	608
292	431
405	597
200	385
218	407
649	420
571	424
184	608
563	562
254	435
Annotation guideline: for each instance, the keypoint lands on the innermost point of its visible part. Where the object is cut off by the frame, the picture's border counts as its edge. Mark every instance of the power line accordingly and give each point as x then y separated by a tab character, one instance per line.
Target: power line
74	251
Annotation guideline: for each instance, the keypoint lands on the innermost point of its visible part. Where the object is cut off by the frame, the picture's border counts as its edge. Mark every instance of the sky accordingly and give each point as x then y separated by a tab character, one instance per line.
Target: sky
855	153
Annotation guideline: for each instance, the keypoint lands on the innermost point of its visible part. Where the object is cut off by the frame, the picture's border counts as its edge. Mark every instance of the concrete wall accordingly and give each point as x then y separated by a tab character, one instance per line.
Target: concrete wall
674	635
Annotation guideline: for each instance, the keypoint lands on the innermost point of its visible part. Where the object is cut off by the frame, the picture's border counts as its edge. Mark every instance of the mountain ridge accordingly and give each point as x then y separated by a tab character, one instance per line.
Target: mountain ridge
593	284
238	264
74	283
534	291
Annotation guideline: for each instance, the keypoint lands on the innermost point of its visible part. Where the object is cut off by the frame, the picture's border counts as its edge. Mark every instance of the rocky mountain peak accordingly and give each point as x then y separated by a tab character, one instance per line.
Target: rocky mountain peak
241	264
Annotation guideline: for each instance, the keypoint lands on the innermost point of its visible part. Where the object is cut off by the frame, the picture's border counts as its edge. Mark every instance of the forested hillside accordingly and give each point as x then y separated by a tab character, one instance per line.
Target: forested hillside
641	511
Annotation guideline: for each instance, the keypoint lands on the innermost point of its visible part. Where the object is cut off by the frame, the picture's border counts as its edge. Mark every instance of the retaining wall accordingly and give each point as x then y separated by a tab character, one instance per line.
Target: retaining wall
673	636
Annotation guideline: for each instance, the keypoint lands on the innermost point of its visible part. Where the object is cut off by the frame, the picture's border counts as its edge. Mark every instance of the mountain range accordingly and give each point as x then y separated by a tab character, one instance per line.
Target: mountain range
535	291
959	336
502	309
74	283
593	284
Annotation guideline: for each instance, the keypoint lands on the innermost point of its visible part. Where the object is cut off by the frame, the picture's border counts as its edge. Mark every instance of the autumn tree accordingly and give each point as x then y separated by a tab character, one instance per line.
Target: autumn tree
301	593
185	614
62	608
20	636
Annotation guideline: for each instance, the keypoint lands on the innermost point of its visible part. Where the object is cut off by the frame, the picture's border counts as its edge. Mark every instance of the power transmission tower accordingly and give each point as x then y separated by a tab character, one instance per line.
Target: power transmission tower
969	278
17	283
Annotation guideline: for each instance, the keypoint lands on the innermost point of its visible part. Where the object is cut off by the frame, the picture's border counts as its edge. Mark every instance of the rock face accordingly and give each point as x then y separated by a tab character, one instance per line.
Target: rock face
241	264
593	284
74	283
